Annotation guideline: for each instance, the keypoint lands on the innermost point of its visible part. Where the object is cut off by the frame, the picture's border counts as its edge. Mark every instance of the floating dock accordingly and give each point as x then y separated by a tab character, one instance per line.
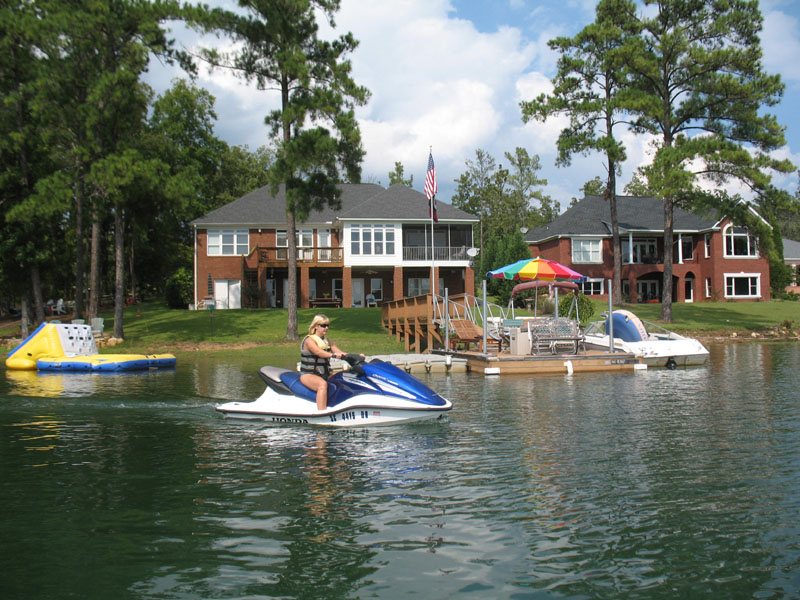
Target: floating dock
534	364
441	361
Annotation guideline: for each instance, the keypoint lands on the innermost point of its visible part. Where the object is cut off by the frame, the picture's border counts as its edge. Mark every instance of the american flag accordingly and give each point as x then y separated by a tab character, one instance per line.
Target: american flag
431	189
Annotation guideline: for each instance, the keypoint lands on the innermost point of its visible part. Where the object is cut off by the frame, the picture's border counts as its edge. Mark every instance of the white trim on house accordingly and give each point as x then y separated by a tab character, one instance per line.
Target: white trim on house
756	276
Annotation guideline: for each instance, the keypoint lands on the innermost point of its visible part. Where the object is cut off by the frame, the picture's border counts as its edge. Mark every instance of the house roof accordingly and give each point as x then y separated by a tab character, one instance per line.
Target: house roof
791	250
363	201
591	216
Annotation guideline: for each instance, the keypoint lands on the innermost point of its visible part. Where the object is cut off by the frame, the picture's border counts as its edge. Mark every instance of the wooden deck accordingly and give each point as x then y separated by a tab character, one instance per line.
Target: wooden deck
583	362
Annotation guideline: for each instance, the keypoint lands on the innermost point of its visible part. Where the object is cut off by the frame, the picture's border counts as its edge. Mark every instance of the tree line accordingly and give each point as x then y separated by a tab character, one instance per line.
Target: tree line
688	76
101	178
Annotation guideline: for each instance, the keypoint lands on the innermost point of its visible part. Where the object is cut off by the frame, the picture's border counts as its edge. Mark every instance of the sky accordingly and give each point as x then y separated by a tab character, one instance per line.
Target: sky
447	76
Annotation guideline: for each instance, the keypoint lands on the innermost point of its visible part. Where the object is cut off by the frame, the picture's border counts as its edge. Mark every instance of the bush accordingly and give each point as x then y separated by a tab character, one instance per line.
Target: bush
585	307
178	289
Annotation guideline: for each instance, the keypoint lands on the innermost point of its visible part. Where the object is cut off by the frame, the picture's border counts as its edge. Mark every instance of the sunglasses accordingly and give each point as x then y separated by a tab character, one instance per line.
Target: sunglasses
324	325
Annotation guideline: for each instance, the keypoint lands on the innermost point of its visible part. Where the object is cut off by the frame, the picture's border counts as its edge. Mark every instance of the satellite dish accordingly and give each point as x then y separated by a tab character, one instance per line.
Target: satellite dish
472	252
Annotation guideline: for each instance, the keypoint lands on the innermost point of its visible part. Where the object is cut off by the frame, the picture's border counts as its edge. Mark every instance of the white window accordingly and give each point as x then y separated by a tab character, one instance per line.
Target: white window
708	287
644	251
418	286
687	247
228	242
742	285
372	240
591	287
305	244
586	251
376	288
707	240
738	242
324	244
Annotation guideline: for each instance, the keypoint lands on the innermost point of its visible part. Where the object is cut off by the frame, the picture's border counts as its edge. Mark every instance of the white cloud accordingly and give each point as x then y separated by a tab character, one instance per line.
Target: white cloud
780	41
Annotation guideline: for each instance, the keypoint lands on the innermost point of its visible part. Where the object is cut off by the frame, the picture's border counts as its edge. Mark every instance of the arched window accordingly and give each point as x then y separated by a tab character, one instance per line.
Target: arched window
738	242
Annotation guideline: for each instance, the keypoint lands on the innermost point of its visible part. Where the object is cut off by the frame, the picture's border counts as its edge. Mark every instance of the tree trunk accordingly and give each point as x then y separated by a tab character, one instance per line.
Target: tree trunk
79	248
25	316
119	268
94	268
291	323
611	193
291	226
666	296
36	288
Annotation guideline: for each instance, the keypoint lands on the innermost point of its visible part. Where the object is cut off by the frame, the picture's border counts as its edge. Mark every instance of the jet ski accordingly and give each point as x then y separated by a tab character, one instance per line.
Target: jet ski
369	393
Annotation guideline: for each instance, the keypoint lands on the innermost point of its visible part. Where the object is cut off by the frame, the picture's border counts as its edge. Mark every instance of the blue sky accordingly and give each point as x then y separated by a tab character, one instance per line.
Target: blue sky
449	75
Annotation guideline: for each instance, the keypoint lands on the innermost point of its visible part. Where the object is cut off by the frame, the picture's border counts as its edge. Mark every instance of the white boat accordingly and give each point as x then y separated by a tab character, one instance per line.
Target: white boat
658	347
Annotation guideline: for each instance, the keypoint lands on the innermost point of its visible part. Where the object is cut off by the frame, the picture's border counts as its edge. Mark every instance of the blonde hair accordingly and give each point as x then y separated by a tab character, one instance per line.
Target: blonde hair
317	320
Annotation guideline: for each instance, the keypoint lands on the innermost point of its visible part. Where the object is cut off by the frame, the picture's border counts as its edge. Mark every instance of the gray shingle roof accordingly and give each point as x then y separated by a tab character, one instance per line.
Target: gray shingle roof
791	250
591	216
359	201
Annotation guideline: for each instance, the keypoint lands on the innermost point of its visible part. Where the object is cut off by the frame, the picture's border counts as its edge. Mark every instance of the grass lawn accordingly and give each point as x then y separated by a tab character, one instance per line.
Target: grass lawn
153	328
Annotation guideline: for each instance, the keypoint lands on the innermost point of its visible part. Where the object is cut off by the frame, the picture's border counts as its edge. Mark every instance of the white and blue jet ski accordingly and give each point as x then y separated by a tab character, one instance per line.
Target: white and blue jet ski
373	393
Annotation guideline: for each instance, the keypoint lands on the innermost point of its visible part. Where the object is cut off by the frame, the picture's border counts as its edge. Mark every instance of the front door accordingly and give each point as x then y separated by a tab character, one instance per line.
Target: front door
688	289
271	293
358	292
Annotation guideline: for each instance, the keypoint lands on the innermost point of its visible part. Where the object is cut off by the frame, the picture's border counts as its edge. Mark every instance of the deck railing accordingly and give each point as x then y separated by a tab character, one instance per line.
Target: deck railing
304	255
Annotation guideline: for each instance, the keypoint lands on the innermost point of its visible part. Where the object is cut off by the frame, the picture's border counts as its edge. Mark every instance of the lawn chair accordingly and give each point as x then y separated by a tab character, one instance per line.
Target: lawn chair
97	327
465	332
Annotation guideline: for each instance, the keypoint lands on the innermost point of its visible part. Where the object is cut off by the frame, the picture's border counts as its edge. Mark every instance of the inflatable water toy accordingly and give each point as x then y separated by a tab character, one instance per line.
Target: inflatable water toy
71	347
374	393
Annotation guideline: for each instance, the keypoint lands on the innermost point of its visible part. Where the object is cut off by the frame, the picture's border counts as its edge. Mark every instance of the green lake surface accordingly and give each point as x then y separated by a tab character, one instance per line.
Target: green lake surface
658	484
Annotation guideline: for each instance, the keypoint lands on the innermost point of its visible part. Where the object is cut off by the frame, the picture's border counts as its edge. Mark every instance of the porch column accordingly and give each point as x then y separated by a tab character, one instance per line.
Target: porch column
630	247
632	291
347	287
469	281
680	250
397	284
303	299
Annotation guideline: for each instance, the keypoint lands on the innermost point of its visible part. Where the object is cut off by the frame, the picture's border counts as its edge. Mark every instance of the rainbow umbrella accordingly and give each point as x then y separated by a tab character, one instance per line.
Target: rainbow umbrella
536	269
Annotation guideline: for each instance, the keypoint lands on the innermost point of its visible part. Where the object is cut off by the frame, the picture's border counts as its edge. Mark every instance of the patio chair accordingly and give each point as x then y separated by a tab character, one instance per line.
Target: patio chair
97	326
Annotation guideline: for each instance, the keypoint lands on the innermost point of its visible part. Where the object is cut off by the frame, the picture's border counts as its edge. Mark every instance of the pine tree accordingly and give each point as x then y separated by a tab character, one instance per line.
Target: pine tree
281	49
700	89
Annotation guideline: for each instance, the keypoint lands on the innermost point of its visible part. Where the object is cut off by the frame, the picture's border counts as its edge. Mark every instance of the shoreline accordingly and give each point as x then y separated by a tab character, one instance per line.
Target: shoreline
705	338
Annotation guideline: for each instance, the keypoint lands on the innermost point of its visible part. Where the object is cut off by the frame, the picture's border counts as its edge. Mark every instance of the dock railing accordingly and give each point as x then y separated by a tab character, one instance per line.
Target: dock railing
423	321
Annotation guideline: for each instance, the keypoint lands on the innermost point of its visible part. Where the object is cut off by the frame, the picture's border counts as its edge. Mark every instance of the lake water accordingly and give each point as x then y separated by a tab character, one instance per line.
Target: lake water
661	484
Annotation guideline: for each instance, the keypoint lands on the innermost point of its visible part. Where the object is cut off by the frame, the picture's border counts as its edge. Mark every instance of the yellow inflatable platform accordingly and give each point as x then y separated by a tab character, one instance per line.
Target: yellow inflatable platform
67	347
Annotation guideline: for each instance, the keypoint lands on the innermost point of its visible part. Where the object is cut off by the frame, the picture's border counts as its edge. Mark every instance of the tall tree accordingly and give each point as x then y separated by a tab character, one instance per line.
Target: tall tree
587	88
281	48
397	176
700	89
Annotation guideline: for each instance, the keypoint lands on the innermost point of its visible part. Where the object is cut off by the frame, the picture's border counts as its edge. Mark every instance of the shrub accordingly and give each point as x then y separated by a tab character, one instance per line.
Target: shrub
178	289
585	307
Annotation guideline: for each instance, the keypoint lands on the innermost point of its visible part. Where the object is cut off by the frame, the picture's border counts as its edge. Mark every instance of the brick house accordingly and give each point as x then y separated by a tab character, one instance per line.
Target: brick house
712	259
375	248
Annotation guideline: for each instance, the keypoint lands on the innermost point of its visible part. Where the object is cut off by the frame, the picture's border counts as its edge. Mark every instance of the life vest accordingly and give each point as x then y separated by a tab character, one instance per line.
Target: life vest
310	362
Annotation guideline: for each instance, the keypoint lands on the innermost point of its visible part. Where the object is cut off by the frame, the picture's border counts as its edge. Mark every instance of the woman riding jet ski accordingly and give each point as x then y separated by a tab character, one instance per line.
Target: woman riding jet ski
374	393
371	394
